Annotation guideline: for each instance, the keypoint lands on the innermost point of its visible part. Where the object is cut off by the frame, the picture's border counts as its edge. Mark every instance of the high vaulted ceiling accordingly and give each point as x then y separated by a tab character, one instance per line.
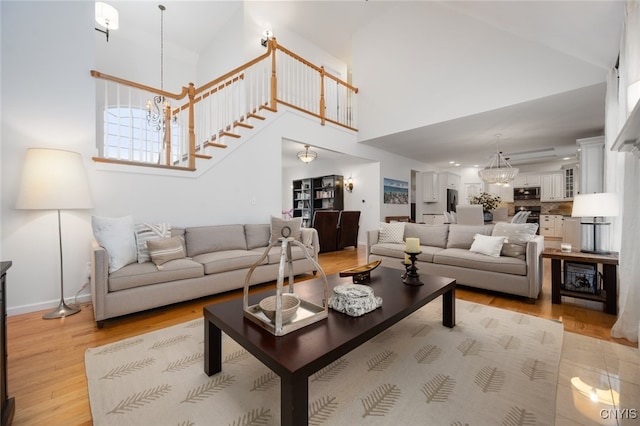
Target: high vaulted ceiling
588	31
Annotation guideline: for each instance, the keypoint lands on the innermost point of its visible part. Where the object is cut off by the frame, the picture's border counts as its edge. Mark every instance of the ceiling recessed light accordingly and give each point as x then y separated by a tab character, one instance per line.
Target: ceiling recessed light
567	158
476	165
457	164
452	162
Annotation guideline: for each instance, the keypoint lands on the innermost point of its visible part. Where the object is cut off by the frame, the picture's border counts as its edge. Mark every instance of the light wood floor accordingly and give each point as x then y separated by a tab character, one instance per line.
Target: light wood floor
46	357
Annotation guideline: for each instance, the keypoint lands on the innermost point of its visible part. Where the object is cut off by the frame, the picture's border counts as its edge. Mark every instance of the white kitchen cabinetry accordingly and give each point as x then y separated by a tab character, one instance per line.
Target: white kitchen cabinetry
552	225
570	175
504	192
526	179
552	187
430	190
449	180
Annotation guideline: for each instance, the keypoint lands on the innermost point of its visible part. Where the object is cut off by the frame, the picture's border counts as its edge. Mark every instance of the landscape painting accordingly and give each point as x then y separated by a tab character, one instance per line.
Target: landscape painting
395	191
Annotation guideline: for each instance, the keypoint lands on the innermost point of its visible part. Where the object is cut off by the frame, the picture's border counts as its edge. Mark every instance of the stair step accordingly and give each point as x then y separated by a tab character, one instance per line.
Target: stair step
216	145
231	135
252	115
268	108
206	157
242	124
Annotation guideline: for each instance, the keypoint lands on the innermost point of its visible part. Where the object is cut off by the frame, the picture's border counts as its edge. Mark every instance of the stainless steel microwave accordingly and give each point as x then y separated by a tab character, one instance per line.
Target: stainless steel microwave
528	193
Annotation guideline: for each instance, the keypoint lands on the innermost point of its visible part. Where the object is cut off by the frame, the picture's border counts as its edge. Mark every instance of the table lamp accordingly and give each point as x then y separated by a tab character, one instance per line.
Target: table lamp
597	206
54	179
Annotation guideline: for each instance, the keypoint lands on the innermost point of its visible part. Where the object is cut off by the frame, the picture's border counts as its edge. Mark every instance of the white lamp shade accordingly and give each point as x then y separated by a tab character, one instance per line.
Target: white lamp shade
53	179
107	15
603	204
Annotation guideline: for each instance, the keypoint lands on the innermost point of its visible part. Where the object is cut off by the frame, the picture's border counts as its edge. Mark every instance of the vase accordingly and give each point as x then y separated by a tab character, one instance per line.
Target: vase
488	216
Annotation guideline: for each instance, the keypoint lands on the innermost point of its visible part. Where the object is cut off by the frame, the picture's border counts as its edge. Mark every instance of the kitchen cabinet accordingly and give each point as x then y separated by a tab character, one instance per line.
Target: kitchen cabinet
526	179
449	180
552	187
552	225
504	192
433	219
430	190
570	174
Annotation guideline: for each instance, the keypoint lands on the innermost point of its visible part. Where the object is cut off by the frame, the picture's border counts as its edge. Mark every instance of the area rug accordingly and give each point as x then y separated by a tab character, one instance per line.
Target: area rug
494	367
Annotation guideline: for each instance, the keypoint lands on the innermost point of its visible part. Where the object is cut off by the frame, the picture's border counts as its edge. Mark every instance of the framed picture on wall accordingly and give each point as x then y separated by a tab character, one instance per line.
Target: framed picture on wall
395	191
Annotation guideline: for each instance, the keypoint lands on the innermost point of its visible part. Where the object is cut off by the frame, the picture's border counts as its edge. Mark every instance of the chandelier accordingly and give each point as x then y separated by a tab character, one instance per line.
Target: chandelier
307	156
498	170
157	109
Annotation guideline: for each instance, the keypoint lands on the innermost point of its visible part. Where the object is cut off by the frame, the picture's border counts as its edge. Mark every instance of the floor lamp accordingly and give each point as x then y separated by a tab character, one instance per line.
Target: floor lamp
596	206
54	179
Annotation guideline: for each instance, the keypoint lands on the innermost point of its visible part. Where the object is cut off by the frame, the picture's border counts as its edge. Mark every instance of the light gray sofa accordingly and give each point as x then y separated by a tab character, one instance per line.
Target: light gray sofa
217	260
445	252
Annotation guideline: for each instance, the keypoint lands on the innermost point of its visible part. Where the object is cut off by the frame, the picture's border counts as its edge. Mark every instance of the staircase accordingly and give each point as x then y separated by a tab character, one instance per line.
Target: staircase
142	127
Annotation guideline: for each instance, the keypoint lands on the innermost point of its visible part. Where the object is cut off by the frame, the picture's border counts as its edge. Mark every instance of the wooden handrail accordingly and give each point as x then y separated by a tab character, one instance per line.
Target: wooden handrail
177	96
232	77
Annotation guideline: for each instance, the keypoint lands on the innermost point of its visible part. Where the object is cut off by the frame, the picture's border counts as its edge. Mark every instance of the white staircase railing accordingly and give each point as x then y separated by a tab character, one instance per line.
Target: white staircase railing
142	125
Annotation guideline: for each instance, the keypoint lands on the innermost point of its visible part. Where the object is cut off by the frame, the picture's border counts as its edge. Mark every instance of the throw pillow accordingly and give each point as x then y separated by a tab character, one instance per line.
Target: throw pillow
517	236
277	225
429	235
391	232
165	249
489	246
118	237
146	232
461	236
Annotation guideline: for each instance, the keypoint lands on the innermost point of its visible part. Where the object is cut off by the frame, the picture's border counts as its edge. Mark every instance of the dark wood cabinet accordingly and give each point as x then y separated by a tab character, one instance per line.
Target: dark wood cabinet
318	193
8	404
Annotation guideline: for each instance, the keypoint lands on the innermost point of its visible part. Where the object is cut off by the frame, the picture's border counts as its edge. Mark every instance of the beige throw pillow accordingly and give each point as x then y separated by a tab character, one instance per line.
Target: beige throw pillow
277	225
517	235
165	249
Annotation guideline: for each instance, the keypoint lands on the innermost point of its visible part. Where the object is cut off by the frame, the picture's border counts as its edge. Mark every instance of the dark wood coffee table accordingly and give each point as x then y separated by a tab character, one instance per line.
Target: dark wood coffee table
297	355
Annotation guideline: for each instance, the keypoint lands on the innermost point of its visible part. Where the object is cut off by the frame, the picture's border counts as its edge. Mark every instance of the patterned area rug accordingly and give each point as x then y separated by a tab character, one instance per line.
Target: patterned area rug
494	367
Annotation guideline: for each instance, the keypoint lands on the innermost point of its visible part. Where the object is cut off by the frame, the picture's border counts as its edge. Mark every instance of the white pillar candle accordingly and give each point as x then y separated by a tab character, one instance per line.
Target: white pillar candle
412	245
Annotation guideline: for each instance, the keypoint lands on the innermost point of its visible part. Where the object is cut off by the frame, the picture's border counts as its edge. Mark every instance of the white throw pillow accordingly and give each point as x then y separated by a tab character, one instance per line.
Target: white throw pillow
118	237
391	232
491	246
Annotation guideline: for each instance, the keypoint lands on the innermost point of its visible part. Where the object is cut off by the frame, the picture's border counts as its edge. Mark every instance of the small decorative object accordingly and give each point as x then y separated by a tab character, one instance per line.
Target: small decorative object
581	277
284	313
361	274
354	299
488	202
412	245
565	247
411	277
290	304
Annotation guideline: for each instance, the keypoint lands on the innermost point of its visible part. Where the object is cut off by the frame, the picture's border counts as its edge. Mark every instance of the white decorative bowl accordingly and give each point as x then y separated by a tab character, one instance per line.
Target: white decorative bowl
290	304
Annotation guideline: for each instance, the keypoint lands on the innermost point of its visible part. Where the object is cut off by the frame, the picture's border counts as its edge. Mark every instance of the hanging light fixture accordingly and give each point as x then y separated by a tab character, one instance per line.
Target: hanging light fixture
156	109
498	170
307	156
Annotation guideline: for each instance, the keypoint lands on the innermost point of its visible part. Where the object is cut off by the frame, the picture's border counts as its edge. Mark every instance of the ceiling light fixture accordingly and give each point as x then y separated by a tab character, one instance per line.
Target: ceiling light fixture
307	156
106	16
498	170
157	109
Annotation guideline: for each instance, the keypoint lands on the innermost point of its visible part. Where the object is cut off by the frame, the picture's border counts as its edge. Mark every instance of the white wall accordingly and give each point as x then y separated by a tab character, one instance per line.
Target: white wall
47	101
430	82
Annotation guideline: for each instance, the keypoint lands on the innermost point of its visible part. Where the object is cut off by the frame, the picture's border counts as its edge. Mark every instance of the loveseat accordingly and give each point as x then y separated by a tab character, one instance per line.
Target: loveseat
183	263
503	257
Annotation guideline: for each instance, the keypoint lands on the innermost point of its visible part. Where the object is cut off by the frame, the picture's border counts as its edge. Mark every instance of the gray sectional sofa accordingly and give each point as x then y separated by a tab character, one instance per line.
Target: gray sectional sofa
216	259
446	251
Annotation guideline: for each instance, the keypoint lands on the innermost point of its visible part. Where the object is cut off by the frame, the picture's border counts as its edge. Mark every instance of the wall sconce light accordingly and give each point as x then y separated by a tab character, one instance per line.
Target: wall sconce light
106	16
266	36
349	185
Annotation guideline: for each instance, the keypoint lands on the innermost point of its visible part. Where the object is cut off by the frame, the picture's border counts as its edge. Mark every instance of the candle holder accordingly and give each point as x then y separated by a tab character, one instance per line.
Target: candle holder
406	269
411	277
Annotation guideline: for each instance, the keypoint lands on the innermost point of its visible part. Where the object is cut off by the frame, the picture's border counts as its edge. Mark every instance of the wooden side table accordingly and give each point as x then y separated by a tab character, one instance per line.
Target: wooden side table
609	294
